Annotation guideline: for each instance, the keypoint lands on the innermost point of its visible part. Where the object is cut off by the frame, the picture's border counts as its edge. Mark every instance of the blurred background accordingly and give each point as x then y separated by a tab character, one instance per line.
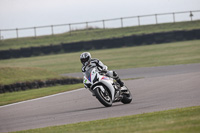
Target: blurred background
22	18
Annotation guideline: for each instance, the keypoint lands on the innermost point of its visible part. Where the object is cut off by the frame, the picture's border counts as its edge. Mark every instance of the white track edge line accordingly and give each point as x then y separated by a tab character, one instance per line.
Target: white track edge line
41	98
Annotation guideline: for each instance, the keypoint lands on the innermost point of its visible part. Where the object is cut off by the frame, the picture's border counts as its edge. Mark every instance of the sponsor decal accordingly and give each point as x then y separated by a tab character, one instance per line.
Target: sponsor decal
105	78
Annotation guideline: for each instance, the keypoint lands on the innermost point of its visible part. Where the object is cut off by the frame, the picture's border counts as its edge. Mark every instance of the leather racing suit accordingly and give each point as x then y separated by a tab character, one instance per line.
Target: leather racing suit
101	67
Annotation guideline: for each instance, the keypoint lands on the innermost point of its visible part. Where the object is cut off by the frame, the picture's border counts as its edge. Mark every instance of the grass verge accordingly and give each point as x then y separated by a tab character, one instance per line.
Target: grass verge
185	52
87	35
183	120
11	75
8	98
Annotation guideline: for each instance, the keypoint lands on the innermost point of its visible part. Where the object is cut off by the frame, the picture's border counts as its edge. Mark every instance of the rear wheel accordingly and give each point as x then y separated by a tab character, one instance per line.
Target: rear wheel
103	97
127	97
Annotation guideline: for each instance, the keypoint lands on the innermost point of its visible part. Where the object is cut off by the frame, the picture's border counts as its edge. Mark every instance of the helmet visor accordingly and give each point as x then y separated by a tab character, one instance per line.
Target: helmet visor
84	60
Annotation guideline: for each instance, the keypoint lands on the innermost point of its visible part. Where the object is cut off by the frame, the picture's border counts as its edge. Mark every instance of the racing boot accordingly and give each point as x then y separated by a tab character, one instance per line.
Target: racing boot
120	82
116	77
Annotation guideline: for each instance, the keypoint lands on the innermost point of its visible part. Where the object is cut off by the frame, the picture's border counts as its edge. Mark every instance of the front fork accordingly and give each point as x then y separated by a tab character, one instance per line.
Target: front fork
118	94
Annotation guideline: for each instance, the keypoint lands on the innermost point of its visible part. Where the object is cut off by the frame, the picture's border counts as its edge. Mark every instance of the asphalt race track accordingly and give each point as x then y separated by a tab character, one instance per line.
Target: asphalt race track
159	88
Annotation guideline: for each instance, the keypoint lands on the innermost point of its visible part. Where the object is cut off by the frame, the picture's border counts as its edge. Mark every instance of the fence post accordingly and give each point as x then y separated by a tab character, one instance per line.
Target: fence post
122	22
35	32
156	18
86	25
103	24
70	29
52	30
139	20
17	32
191	15
174	17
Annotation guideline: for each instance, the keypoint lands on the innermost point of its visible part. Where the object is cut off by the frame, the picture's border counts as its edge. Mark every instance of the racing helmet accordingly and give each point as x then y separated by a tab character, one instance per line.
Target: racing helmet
85	58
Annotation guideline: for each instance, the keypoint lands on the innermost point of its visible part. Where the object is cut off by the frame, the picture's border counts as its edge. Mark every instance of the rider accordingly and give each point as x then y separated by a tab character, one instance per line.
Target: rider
88	62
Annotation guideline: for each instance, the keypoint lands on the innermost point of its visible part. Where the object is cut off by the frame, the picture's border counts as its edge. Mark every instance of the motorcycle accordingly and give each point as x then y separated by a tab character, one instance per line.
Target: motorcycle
105	88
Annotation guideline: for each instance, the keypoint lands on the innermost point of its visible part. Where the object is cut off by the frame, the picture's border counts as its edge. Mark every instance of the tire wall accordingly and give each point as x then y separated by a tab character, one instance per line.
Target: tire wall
22	86
134	40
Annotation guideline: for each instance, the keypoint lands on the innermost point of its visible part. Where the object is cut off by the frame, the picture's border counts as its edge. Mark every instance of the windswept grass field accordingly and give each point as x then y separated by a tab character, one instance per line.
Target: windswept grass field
185	52
42	67
183	120
9	75
87	35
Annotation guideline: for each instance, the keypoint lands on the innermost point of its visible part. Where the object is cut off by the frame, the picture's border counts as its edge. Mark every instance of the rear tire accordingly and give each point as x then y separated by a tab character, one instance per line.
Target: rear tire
127	97
103	98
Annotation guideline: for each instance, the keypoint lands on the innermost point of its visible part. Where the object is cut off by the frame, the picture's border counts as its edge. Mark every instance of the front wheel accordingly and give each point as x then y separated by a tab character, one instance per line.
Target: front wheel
103	97
127	97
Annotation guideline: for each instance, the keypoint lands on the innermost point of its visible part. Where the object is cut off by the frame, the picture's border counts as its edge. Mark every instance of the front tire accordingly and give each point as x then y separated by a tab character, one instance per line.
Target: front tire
103	97
127	97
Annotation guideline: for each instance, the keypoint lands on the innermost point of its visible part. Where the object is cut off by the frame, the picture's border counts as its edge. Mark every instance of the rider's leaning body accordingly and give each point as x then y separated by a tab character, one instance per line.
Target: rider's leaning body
88	62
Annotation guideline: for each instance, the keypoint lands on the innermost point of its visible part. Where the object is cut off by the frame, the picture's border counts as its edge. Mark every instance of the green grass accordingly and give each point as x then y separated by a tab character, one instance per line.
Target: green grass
86	35
8	98
183	120
11	75
185	52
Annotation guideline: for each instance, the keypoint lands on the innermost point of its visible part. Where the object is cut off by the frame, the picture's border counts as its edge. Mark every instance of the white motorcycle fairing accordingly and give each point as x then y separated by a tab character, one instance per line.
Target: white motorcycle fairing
106	90
95	79
109	86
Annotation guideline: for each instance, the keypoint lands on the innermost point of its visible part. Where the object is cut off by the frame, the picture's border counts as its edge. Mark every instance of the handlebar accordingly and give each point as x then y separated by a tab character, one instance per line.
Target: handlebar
103	72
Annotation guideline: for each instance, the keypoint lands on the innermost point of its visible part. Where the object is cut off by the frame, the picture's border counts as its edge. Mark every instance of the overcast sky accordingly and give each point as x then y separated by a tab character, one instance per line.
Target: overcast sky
29	13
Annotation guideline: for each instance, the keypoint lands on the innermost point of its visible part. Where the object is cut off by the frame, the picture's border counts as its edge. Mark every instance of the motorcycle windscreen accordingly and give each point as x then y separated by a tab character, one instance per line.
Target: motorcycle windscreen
88	74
